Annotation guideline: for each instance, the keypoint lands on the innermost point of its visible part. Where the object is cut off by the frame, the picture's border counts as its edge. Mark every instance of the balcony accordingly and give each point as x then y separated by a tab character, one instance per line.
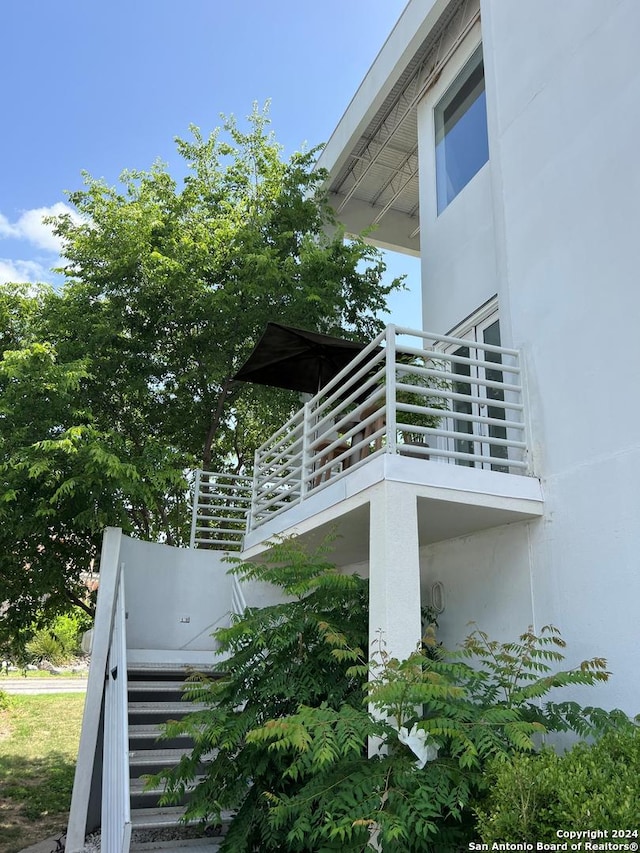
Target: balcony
422	438
443	415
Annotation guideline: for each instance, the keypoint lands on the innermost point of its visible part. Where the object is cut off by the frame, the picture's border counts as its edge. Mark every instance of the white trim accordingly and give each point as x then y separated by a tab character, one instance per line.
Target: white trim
427	128
477	317
414	25
89	750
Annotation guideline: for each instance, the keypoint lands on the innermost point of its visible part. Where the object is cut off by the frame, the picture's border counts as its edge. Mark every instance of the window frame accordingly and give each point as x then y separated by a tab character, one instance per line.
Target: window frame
462	74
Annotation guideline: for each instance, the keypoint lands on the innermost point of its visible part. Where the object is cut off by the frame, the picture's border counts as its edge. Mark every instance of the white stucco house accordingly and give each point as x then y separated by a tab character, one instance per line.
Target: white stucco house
496	140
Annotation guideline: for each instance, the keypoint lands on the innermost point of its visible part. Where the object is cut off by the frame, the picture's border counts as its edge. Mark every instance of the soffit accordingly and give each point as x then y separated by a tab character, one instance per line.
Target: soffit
374	180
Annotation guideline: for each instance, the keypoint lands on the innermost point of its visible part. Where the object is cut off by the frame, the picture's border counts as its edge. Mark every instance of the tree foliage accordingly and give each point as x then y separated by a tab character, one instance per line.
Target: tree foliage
288	724
274	658
121	382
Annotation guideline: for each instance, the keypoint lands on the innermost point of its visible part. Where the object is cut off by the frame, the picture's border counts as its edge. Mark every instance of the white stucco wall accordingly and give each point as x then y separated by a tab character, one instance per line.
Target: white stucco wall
486	583
458	246
563	185
165	587
567	126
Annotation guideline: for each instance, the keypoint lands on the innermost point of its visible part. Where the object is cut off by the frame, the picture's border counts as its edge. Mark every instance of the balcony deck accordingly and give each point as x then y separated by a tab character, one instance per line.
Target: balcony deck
444	416
452	501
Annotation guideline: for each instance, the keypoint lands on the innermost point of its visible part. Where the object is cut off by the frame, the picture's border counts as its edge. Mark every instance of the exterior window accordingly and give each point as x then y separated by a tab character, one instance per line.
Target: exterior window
462	145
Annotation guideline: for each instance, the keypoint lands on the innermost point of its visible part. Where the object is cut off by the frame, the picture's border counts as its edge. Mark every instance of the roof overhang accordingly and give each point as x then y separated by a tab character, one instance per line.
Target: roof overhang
372	156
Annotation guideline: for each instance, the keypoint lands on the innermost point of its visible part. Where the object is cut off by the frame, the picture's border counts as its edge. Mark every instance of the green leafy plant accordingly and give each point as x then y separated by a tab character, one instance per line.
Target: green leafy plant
593	786
415	375
455	716
289	723
60	641
277	657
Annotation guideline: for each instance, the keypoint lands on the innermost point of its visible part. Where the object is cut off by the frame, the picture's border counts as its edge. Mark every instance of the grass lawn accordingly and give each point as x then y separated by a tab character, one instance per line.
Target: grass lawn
38	748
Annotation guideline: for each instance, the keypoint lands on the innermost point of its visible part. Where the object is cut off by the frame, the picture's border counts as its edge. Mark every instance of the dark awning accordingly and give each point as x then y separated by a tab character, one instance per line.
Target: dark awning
298	359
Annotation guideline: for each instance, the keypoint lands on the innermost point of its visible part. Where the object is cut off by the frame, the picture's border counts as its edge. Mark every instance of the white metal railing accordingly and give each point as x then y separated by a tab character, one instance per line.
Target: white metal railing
116	804
86	792
238	601
219	510
433	397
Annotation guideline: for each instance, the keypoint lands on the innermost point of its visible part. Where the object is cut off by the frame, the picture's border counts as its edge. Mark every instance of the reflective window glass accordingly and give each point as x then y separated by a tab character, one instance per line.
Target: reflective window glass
462	145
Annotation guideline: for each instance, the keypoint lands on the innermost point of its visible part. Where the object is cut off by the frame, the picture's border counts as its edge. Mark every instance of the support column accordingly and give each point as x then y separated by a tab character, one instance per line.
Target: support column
394	569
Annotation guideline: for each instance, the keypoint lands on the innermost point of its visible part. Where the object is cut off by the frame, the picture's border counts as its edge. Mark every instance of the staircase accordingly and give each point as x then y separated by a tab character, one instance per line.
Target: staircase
155	696
157	609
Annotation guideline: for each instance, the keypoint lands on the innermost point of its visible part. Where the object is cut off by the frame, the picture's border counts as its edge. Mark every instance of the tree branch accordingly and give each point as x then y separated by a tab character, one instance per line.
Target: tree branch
223	397
80	603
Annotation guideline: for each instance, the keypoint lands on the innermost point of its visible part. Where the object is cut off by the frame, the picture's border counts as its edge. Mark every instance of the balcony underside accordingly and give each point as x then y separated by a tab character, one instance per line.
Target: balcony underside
452	501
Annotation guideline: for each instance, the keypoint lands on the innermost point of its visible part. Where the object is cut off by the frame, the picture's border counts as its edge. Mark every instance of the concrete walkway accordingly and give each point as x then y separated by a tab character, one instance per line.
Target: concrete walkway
54	684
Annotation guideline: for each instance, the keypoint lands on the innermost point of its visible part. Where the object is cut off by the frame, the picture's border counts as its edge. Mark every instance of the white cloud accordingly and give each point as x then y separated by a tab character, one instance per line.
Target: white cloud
7	229
22	271
30	226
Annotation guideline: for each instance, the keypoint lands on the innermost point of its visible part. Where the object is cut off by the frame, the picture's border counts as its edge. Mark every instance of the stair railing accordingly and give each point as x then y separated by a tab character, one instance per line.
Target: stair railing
116	798
238	601
87	795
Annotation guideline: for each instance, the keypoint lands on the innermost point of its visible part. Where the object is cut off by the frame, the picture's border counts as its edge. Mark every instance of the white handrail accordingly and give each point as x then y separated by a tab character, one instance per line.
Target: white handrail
85	796
221	504
389	398
116	803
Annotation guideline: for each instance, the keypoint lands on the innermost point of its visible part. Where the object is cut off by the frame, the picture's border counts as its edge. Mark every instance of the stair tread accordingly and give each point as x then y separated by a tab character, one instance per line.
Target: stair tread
192	845
171	754
168	668
178	706
151	730
138	786
156	817
163	816
156	756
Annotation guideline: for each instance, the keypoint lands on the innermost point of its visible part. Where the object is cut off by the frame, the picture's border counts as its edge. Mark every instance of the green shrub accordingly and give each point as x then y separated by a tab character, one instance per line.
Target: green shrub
59	642
290	720
470	713
593	786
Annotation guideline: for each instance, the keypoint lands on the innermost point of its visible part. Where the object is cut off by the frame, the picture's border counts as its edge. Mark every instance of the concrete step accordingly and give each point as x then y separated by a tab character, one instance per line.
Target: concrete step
150	732
163	816
181	669
156	686
166	708
192	845
156	818
155	757
138	787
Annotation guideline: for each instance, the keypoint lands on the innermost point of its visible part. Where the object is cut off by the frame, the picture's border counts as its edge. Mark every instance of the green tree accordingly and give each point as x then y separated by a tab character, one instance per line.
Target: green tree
168	287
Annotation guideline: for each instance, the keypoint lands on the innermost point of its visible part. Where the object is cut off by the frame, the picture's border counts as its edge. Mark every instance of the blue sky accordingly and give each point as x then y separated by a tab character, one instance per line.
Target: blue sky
104	85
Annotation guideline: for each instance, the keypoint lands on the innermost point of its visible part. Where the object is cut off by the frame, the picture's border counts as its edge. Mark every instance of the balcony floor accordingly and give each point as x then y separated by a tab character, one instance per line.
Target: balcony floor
453	501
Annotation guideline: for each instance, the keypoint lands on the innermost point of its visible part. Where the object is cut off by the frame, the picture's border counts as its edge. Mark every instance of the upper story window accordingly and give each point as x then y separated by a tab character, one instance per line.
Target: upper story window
462	145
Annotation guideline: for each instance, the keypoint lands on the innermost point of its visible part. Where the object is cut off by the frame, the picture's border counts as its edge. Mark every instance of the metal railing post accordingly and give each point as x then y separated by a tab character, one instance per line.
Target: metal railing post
194	509
390	382
254	495
305	469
